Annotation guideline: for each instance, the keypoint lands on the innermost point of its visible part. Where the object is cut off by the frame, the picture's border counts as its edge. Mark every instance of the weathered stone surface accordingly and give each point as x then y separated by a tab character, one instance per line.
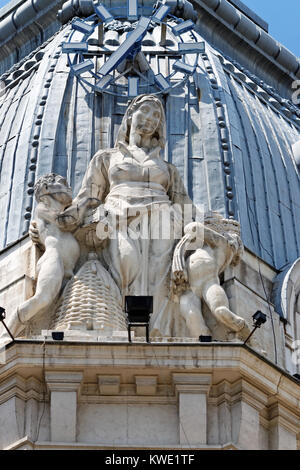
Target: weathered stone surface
213	396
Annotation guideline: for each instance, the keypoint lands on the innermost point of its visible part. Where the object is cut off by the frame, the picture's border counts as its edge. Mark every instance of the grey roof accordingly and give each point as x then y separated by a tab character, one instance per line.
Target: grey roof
24	25
233	148
250	13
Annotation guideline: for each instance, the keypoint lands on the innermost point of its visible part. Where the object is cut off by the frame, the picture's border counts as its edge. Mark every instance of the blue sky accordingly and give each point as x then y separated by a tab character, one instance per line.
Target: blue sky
283	18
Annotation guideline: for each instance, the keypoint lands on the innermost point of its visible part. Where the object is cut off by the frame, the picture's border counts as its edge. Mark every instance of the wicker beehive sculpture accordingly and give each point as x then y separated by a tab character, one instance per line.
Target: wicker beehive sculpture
91	301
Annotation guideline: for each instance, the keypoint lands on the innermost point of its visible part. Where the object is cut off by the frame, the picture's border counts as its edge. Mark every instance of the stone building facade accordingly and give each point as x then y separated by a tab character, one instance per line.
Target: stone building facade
232	133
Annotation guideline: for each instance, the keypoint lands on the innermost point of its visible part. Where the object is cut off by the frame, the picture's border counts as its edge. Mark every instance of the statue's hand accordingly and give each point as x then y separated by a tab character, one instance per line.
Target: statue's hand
34	233
68	219
103	229
92	241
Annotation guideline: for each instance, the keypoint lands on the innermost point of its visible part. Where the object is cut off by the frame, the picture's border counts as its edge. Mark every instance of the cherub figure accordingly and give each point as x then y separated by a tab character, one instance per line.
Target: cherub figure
199	258
53	195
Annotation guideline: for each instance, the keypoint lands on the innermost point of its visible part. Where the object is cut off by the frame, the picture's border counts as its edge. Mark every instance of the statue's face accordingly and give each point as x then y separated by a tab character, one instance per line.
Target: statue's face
57	187
146	118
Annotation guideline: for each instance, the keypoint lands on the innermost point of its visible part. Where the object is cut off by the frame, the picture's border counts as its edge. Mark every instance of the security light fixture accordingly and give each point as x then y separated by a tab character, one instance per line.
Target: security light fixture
138	309
191	47
2	318
183	27
161	81
58	335
83	27
83	67
161	13
2	314
180	66
103	13
259	319
205	339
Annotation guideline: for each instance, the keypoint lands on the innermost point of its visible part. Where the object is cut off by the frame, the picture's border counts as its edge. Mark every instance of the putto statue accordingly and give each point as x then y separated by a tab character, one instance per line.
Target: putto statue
132	211
62	250
196	277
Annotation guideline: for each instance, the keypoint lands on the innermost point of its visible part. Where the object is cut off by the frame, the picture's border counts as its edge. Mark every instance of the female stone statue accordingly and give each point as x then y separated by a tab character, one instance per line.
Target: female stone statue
146	205
142	194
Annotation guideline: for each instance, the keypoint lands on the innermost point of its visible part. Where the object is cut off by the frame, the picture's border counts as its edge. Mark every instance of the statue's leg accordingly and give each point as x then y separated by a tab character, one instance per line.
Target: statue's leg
50	276
123	258
190	309
217	301
14	325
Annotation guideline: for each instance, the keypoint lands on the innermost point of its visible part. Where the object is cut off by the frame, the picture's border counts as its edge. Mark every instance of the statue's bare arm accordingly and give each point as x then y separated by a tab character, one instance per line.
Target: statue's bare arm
91	194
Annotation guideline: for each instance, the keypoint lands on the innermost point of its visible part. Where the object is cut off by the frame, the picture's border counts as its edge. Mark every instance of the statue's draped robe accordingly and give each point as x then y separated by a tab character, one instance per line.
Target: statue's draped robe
145	197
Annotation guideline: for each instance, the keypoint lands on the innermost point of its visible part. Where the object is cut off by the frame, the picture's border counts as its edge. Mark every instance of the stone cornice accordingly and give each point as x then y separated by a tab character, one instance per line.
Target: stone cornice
192	383
244	391
240	390
259	40
28	444
162	360
62	381
17	386
128	399
279	415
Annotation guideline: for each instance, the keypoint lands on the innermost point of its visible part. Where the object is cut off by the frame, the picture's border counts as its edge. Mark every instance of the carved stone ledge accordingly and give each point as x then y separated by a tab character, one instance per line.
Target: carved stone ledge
63	381
146	385
231	404
109	384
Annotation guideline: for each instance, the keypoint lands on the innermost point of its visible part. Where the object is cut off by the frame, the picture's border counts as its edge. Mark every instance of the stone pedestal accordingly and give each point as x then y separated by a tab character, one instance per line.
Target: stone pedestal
92	395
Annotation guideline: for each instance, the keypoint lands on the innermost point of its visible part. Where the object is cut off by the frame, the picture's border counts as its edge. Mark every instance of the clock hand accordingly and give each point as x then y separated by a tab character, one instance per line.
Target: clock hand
126	47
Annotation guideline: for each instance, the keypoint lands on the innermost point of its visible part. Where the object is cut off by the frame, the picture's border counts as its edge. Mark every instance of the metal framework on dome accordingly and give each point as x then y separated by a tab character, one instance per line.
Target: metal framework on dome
125	69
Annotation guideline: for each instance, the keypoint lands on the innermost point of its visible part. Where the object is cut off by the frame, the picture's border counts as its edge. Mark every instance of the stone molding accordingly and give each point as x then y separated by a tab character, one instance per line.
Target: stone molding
244	391
63	381
192	391
129	399
261	373
146	385
109	384
230	374
192	383
26	444
241	390
280	415
25	389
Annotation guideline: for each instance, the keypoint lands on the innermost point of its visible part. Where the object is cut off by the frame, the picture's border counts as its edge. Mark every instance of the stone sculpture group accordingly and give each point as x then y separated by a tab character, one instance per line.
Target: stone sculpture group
127	233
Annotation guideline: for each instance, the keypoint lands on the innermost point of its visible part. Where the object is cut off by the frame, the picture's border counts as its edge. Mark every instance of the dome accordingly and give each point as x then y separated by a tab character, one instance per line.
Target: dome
219	368
233	147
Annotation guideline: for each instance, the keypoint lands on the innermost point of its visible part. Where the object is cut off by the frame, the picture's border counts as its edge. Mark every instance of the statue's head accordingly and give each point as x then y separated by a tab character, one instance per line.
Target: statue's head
228	228
144	115
53	185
